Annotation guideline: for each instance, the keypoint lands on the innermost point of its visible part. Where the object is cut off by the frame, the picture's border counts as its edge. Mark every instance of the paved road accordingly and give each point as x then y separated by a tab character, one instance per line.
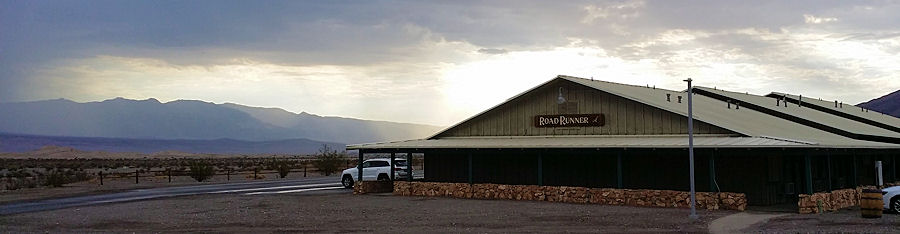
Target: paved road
307	185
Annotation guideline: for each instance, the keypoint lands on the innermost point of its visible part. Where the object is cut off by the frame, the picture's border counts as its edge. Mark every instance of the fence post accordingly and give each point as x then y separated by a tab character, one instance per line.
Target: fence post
304	169
254	173
101	177
169	172
228	174
135	176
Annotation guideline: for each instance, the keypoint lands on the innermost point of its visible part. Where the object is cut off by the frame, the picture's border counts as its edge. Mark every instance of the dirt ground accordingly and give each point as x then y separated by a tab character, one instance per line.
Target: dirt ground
344	212
842	221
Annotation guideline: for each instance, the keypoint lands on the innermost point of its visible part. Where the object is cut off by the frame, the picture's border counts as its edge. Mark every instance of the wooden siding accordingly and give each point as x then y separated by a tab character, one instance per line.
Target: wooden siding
623	116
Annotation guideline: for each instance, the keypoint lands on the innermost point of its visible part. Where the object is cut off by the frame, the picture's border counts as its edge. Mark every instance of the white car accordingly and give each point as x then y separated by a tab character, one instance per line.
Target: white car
891	198
374	169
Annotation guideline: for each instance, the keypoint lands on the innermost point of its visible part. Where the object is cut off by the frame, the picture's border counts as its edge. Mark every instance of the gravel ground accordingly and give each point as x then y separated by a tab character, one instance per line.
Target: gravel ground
343	212
842	221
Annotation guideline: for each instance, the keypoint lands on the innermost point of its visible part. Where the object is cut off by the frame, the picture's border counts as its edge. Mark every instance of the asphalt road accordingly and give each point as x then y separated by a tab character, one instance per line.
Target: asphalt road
306	185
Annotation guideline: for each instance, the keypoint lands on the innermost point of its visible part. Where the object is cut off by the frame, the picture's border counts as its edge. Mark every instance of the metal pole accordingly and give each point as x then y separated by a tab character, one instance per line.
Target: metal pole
409	171
359	168
540	160
828	174
691	147
393	156
712	172
807	169
469	156
855	175
619	183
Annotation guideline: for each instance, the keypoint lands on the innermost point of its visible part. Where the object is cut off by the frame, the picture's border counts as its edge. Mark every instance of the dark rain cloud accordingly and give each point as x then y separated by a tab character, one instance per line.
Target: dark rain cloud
38	34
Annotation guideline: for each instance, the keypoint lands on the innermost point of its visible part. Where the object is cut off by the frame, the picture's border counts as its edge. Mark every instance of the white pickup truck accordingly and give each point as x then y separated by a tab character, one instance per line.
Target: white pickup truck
374	169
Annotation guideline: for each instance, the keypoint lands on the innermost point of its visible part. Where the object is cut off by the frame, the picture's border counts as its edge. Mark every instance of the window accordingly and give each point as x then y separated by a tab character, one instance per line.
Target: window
400	163
365	164
379	164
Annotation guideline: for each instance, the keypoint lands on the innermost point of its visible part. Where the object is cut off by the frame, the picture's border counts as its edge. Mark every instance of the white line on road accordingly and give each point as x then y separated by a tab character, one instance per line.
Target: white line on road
273	188
295	191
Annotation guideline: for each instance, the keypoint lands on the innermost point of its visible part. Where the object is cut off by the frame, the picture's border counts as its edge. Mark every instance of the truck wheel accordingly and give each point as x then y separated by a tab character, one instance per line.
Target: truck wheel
383	177
347	181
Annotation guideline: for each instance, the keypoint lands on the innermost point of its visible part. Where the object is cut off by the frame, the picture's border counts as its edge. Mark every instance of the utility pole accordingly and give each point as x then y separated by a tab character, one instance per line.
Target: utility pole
691	148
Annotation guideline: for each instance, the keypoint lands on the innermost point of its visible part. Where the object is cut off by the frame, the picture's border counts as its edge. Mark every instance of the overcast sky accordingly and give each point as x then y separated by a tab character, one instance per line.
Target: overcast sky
437	62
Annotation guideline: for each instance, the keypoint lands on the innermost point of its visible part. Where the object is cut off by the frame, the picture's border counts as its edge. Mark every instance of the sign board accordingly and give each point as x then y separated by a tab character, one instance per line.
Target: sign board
569	120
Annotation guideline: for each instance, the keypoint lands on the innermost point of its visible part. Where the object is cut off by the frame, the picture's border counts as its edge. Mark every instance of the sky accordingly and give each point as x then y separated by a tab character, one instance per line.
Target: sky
437	62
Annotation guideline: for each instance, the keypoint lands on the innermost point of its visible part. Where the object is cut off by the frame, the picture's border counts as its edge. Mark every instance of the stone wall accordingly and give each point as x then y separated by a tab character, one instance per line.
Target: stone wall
834	200
363	187
604	196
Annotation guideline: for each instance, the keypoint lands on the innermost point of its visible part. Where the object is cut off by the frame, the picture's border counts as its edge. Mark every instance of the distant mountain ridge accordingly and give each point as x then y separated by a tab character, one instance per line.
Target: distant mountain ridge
888	104
26	143
193	120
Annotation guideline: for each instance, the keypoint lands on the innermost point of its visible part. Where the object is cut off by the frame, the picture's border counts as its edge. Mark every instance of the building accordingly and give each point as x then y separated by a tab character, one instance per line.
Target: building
582	132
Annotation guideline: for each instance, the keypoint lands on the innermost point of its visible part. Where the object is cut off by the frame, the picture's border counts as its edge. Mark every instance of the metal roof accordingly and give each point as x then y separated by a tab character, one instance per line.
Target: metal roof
846	108
744	121
621	141
759	129
806	113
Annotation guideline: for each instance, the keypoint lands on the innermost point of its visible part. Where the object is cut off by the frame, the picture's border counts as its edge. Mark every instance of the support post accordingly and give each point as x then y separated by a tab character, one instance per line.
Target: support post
409	164
540	159
169	173
712	172
359	167
807	171
619	170
101	177
469	158
892	167
854	178
828	175
393	155
135	176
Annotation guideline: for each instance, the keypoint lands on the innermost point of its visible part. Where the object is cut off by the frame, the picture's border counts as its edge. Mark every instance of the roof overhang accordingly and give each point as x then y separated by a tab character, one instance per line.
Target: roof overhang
620	141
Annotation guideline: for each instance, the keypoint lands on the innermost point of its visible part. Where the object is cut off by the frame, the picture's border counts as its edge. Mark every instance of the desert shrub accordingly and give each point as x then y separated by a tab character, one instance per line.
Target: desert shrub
19	183
282	166
81	175
55	178
328	161
201	170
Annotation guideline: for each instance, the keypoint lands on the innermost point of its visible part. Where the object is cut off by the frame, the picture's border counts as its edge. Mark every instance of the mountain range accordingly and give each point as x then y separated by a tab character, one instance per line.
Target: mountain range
888	104
147	126
191	121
